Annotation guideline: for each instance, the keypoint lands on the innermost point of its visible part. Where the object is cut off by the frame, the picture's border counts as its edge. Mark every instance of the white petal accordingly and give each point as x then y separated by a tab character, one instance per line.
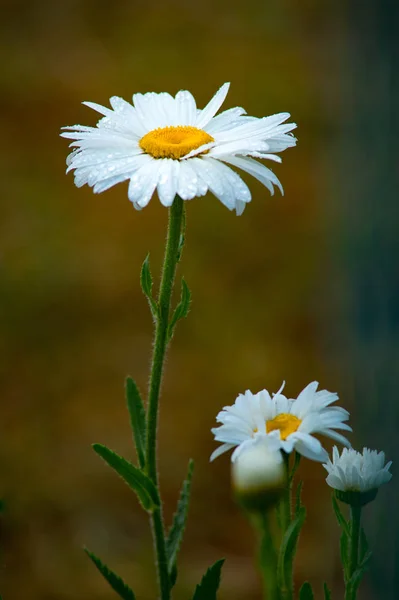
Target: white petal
336	437
186	108
167	181
103	110
128	113
212	107
256	169
143	182
223	448
146	111
241	147
260	128
226	120
104	185
309	447
105	170
187	184
210	176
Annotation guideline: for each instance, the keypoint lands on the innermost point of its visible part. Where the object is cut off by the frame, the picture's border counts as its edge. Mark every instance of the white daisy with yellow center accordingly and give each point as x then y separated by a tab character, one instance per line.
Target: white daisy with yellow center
167	144
293	422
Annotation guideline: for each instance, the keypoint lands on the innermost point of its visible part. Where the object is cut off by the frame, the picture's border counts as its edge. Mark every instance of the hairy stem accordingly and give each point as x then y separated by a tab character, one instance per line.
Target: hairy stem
268	560
158	358
351	590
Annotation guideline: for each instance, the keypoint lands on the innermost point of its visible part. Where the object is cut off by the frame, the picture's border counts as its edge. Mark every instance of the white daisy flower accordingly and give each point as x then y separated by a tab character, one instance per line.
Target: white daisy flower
356	472
292	422
169	145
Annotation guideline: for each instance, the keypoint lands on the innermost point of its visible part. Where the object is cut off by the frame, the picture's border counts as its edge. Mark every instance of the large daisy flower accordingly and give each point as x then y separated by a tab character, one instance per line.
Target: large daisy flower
357	472
169	145
293	422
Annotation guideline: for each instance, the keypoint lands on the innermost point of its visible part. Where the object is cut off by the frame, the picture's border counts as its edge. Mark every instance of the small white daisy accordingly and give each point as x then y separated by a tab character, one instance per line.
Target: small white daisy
169	145
292	422
356	472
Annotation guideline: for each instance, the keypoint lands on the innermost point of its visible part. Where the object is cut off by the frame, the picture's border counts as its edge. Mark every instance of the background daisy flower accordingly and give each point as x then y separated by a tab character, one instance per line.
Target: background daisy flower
293	422
167	144
357	472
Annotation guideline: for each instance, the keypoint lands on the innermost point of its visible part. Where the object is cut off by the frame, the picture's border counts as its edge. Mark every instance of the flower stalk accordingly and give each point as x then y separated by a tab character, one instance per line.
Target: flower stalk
351	590
172	252
268	558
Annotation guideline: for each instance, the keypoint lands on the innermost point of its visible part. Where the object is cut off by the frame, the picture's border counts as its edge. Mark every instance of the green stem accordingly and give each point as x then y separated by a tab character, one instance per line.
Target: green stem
268	560
351	591
160	345
285	504
286	592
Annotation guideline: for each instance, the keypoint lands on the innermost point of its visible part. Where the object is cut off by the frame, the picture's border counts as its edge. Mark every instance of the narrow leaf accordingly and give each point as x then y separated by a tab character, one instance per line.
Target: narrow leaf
146	277
146	285
340	517
288	548
137	418
327	593
295	466
181	309
365	560
355	580
176	532
298	497
117	584
363	546
173	576
182	238
135	479
306	593
207	589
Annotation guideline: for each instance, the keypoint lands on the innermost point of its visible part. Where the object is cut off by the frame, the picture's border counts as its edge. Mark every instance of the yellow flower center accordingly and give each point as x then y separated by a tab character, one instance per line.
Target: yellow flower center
174	142
285	422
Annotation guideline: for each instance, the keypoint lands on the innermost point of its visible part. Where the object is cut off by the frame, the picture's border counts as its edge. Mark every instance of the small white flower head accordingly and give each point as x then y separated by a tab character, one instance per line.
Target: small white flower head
357	476
167	144
259	475
292	422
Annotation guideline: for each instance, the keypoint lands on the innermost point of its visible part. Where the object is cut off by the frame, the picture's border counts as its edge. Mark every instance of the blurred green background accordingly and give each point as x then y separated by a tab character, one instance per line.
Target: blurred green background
299	288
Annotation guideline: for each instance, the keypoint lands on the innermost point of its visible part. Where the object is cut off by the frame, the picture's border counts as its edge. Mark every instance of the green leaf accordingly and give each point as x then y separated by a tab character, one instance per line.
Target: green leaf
146	285
206	590
355	580
182	238
173	576
344	551
176	532
298	503
327	593
295	466
340	517
135	479
181	309
288	548
117	584
363	546
306	593
365	560
137	418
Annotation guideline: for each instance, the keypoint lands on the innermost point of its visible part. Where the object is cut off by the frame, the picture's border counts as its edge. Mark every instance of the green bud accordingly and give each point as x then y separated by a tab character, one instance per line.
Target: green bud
356	498
258	478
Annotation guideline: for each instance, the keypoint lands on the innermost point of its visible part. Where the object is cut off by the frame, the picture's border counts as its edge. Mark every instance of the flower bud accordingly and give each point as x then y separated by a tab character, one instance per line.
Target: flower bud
258	477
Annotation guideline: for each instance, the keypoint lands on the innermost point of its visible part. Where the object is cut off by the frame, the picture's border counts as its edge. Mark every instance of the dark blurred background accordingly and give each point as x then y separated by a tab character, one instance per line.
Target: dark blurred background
299	288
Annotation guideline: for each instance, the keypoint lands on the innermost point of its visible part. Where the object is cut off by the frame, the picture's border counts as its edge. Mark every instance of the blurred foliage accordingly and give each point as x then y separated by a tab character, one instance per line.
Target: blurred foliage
274	292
